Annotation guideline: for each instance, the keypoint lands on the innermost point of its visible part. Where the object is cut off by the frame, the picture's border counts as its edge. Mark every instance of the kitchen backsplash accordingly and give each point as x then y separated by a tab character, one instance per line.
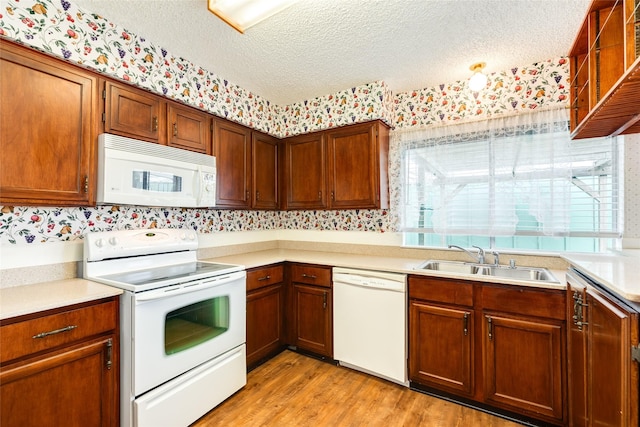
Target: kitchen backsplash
60	28
24	225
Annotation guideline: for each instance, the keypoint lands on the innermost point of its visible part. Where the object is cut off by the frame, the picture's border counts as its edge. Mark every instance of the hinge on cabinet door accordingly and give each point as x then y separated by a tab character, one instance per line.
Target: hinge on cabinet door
104	94
86	183
109	352
635	353
104	117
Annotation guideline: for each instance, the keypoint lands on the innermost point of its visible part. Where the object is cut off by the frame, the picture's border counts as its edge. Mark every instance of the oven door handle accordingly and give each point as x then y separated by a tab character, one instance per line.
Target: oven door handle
183	288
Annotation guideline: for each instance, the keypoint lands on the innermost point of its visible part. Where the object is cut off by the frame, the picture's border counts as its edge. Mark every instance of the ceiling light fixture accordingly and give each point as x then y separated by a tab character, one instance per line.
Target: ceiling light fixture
242	14
478	80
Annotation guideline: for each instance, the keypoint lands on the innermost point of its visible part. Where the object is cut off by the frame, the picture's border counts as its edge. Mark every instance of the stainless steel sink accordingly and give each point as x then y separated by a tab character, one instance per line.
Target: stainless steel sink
522	273
518	273
450	267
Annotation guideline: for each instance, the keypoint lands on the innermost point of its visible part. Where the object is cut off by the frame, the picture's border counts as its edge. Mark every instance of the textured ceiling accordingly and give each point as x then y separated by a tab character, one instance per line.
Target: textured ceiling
318	47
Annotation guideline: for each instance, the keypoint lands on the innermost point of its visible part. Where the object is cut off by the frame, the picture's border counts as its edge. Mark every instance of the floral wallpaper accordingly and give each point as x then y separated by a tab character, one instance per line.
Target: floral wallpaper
24	225
542	84
358	104
61	29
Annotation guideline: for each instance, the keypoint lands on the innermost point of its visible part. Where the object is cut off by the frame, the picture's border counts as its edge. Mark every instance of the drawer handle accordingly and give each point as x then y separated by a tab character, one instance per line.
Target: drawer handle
309	276
267	277
56	331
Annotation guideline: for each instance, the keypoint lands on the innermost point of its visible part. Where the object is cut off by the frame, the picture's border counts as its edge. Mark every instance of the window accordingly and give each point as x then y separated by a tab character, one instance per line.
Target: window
516	182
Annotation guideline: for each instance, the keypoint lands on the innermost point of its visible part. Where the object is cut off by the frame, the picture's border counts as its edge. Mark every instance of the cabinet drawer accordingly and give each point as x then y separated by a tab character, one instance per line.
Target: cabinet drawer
47	332
448	291
264	276
520	300
311	274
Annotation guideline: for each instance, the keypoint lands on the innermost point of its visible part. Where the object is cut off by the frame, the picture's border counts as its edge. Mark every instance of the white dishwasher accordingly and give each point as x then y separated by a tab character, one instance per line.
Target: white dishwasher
370	322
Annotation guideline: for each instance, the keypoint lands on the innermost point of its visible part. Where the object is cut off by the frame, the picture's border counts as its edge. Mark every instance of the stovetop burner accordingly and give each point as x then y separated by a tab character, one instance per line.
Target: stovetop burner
170	273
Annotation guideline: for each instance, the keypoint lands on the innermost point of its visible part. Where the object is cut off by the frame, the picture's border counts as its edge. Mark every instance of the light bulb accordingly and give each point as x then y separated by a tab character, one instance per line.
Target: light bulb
477	81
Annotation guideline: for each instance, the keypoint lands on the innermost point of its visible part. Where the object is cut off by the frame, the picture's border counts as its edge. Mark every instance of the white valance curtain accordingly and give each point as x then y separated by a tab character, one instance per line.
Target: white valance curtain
503	176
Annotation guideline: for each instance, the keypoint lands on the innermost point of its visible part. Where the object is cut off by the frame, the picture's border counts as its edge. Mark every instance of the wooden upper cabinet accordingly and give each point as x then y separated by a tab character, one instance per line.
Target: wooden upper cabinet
189	129
134	113
357	162
605	71
264	171
47	130
232	148
344	168
305	172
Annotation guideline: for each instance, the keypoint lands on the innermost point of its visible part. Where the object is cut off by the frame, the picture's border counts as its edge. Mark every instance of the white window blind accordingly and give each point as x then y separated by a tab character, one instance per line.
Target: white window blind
518	175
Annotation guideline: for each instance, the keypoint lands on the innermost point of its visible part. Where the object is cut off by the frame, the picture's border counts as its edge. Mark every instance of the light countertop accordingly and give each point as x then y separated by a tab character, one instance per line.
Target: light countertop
26	299
369	262
619	272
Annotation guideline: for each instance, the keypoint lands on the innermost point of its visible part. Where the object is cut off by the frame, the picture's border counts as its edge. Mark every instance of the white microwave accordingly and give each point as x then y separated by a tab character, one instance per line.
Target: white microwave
132	172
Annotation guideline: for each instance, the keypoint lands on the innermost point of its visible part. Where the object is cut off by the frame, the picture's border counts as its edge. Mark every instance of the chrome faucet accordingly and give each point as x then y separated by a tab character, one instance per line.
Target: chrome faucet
496	258
478	258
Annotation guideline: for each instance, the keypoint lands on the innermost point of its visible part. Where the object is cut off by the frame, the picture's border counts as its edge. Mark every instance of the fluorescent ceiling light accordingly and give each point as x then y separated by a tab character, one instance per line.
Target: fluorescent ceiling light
242	14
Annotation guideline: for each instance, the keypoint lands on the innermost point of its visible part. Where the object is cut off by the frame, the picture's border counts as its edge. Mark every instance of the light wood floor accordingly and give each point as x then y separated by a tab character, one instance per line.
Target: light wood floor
296	390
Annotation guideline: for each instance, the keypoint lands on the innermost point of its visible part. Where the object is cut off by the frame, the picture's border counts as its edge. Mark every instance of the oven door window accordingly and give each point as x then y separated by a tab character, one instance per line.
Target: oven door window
194	324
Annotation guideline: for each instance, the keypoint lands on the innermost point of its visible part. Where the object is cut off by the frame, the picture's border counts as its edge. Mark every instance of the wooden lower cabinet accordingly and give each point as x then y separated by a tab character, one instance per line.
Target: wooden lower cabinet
441	351
523	367
265	313
61	368
603	376
313	319
311	298
501	346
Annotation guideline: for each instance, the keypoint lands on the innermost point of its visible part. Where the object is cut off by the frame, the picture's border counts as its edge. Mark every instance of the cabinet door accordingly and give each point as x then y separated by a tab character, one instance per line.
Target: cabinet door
440	347
264	171
313	316
305	177
265	317
189	129
48	129
74	387
134	113
523	365
353	167
232	148
612	374
577	356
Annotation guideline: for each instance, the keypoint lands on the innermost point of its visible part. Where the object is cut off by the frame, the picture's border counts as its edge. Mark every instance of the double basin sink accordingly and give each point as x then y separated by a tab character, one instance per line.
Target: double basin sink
517	273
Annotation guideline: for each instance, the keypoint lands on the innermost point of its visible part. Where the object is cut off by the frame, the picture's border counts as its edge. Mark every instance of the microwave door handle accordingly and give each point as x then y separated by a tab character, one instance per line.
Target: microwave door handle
198	187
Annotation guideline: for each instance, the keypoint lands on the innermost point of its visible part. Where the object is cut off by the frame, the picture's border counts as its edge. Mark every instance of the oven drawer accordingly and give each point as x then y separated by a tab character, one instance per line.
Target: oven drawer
264	276
51	331
311	274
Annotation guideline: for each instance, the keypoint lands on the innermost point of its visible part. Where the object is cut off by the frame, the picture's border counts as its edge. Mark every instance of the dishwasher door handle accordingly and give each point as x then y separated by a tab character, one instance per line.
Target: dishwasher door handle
364	282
